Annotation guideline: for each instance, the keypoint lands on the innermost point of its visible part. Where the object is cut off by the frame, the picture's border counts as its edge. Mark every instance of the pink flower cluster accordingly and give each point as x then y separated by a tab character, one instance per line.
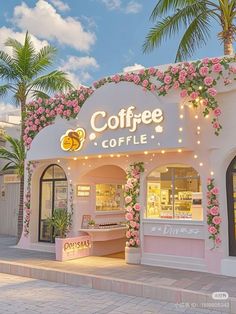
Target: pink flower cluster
27	211
133	208
42	112
213	213
197	81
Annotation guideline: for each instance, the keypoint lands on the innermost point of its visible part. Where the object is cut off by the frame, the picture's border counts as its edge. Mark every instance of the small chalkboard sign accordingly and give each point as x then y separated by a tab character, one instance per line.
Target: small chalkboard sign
85	220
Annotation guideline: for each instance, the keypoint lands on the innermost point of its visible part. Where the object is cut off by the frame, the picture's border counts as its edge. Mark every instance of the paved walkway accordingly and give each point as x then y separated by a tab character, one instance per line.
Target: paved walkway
110	274
26	295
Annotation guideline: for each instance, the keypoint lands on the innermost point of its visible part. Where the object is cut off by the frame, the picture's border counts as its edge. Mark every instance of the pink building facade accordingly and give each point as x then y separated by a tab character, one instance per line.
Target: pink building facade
81	163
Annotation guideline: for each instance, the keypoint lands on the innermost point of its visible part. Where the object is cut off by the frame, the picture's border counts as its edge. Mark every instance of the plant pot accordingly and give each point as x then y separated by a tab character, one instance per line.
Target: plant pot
59	242
132	255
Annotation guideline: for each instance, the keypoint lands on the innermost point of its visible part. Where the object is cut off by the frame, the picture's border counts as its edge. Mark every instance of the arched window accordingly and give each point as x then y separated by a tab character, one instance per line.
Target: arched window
174	192
53	194
231	202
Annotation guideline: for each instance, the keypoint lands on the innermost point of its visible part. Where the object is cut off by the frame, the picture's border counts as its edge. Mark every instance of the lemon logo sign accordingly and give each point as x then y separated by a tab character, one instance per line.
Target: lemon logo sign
73	140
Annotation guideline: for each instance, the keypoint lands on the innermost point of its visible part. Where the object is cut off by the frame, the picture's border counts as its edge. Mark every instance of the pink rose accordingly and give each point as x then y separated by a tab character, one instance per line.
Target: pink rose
136	79
218	240
217	112
204	102
182	79
128	199
29	140
137	207
205	61
153	87
215	191
215	60
214	211
133	224
208	80
217	68
141	72
167	79
212	92
138	242
233	69
174	70
204	71
145	83
152	71
194	95
212	229
217	220
128	234
128	216
176	85
216	125
160	74
183	93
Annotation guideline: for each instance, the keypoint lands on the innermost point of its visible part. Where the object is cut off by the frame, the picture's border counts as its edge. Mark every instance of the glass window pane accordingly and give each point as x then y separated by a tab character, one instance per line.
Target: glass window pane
60	199
109	197
49	173
46	210
59	173
174	192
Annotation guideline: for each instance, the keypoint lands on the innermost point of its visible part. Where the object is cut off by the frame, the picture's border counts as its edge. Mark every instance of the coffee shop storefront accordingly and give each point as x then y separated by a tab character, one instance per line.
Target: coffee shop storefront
79	162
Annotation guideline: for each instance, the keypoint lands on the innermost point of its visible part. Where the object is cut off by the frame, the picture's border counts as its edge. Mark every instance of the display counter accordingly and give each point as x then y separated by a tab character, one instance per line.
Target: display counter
106	240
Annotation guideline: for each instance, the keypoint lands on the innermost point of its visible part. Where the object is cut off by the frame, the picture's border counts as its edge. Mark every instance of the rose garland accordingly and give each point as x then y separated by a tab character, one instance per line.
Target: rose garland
196	80
30	167
132	215
213	214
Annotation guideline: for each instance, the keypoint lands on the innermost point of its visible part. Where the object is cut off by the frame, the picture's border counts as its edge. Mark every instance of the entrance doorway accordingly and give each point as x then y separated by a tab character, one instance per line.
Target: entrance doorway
53	195
231	202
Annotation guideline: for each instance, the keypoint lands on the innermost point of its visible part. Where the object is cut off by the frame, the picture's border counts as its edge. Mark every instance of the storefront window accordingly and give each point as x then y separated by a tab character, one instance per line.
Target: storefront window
174	192
109	197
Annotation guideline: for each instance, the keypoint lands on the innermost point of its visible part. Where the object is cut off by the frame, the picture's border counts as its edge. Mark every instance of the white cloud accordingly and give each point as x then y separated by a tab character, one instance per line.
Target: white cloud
77	63
112	4
61	6
7	108
79	68
5	33
133	68
44	21
133	7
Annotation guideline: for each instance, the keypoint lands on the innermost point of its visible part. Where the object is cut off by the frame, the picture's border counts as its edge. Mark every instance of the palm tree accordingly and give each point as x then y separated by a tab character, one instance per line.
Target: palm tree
22	74
14	157
195	17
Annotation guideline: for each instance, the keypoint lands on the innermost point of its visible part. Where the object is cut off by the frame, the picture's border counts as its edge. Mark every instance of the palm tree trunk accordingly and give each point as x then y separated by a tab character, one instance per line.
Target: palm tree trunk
21	209
21	204
228	46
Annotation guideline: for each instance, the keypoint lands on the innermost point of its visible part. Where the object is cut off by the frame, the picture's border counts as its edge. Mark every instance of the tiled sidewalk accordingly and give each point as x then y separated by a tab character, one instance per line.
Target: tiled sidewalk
27	295
109	274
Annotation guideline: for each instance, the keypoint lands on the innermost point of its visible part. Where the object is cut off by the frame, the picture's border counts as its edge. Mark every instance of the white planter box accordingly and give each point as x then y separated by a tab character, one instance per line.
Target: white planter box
132	255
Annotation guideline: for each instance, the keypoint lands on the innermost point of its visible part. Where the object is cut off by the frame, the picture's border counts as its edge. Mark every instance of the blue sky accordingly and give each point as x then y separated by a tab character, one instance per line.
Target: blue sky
95	38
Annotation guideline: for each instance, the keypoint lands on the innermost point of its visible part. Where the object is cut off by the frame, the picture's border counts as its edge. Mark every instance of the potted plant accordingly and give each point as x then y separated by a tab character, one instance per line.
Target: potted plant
60	221
91	223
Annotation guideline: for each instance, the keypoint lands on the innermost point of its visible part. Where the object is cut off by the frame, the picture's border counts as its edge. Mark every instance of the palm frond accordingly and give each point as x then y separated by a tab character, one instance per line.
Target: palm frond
170	25
39	94
4	89
165	6
194	37
52	82
43	59
14	156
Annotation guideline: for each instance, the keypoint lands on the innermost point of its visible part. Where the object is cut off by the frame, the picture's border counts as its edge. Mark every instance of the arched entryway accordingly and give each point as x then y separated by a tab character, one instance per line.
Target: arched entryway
53	194
231	205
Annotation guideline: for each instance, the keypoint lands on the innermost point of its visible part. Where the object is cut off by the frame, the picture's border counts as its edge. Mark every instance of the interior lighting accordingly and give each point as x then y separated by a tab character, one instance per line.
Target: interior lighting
163	152
181	116
180	129
145	153
179	150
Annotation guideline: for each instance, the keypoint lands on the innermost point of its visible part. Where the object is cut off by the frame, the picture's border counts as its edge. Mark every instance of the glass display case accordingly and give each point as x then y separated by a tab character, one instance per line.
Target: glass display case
174	193
109	197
